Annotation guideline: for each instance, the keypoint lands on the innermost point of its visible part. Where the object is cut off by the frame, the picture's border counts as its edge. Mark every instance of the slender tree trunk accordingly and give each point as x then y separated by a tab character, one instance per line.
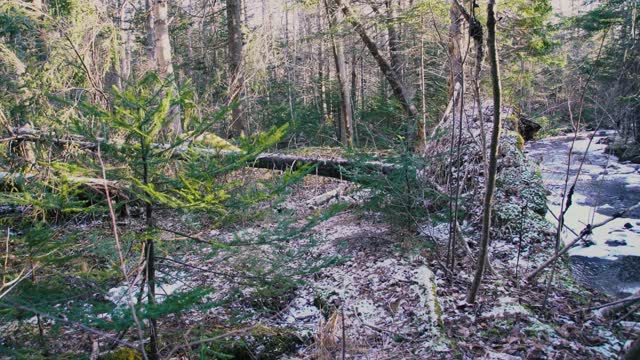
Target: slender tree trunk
150	270
345	126
493	152
392	77
150	49
394	39
161	35
163	56
321	74
633	352
287	60
421	144
234	27
354	94
455	49
124	50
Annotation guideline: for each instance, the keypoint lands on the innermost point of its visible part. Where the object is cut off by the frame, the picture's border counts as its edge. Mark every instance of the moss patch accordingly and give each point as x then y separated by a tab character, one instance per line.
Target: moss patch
122	354
262	342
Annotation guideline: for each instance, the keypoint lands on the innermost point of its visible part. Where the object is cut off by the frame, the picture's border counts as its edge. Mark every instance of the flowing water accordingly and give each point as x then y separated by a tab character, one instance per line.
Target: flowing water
609	260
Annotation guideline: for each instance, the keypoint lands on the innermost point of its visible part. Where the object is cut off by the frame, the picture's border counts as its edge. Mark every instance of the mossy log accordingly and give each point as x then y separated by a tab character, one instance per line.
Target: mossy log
333	167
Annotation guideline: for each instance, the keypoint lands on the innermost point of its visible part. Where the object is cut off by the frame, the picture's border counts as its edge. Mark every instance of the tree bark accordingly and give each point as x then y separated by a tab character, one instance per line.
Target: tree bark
394	39
163	57
421	144
150	42
493	152
150	269
456	70
234	27
345	126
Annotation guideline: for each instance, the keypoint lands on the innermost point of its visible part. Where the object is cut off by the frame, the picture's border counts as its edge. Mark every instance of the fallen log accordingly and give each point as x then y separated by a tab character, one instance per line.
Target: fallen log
333	167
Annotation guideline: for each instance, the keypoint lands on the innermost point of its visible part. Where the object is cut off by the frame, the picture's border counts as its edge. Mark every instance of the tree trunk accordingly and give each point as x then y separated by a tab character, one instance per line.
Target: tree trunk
321	75
150	44
493	152
234	27
163	56
456	70
392	77
345	127
124	66
394	39
421	144
150	270
633	351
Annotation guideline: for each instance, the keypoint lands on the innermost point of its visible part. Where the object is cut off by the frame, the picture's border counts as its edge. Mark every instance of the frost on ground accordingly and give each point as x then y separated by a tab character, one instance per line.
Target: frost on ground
349	284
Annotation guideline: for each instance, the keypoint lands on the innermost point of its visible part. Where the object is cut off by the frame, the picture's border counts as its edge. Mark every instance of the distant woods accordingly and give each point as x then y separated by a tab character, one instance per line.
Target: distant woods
394	64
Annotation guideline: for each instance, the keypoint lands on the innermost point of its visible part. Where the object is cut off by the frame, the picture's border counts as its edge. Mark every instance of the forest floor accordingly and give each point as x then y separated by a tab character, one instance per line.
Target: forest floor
383	294
387	293
304	279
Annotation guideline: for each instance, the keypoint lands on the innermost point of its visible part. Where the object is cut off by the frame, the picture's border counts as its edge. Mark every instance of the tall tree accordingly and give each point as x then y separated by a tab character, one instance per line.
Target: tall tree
345	122
392	77
163	56
493	151
236	83
150	42
456	67
394	38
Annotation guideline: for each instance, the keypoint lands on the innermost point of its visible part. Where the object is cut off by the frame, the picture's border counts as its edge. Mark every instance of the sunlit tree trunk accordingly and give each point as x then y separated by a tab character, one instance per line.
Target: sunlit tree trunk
236	82
421	141
321	75
163	57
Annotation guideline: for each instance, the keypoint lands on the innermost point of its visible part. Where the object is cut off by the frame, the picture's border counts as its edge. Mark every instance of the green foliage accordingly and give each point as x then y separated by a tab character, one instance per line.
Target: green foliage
400	195
154	169
612	59
271	342
530	53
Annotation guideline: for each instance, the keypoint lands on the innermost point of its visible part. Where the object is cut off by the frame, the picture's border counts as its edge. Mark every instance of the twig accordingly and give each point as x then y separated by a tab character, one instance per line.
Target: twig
586	231
123	266
630	299
6	260
212	339
192	237
629	313
84	66
15	282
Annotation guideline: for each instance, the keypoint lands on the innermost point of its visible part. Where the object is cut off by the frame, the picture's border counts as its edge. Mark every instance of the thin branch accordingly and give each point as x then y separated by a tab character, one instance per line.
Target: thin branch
630	299
586	231
123	266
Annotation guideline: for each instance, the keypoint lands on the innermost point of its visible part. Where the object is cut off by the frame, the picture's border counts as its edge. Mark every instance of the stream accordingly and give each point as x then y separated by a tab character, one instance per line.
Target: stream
609	259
